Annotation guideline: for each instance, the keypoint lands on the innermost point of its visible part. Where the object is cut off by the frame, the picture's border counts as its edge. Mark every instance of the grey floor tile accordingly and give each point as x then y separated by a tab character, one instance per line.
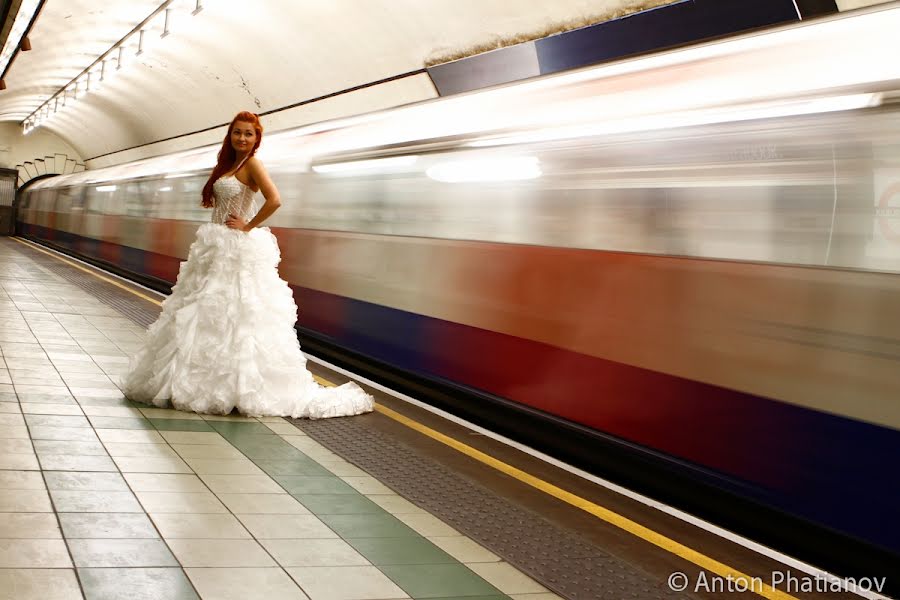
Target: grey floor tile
63	462
94	501
107	525
45	447
136	584
85	482
121	553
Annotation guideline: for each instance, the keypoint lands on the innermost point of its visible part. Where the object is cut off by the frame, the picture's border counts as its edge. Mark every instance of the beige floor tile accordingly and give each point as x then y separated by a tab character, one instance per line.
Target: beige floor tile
13	431
39	584
34	554
368	485
213	451
29	526
121	449
170	413
19	462
165	482
241	584
281	504
241	484
180	502
10	408
112	411
24	501
220	553
15	446
199	526
74	434
396	505
314	553
47	447
345	583
11	419
507	578
51	409
194	437
286	527
21	480
464	549
129	436
140	464
284	429
216	466
427	525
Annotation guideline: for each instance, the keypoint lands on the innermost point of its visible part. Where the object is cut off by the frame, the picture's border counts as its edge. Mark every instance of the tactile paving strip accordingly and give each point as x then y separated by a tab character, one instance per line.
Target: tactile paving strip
130	306
561	560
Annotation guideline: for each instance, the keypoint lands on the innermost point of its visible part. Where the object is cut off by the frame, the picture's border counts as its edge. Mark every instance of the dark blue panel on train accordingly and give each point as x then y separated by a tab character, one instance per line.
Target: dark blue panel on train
664	27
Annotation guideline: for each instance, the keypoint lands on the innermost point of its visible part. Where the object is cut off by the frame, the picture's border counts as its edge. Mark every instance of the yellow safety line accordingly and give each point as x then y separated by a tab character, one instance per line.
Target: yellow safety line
34	246
624	523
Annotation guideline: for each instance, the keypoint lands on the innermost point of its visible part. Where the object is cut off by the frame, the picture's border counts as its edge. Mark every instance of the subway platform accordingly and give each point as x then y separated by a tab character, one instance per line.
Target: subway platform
102	498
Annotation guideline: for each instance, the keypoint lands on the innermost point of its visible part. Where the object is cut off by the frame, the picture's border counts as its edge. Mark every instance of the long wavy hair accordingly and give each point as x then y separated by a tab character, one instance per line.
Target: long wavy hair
227	154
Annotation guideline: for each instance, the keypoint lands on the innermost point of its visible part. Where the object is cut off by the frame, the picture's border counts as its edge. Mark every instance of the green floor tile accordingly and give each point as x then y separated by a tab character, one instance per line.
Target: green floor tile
326	504
229	428
120	423
180	425
276	450
300	484
439	581
368	525
297	466
400	551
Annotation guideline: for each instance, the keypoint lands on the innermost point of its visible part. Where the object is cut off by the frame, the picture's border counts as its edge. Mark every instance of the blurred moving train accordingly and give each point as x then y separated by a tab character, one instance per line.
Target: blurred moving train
675	269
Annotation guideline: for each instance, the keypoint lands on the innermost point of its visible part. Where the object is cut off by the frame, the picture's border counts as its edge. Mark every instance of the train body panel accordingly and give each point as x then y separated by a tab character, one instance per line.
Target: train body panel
714	277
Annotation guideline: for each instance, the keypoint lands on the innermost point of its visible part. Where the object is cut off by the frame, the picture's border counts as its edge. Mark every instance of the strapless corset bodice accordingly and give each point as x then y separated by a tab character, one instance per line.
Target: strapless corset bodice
233	197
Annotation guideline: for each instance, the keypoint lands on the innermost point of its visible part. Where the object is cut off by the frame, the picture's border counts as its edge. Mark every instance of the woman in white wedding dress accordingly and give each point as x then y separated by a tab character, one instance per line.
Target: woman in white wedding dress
225	338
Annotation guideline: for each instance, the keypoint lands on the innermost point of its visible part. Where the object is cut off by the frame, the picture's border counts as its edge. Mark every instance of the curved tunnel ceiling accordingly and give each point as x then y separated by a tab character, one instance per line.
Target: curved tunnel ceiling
263	56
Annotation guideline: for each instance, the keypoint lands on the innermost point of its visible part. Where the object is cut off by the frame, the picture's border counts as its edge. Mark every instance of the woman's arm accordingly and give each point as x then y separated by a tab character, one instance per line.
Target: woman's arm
260	177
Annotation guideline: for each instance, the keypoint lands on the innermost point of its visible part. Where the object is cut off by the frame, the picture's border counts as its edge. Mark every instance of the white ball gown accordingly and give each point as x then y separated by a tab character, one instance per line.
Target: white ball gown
225	338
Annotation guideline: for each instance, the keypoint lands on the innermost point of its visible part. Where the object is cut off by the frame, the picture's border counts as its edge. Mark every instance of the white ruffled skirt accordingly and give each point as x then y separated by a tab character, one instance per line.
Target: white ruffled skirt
226	339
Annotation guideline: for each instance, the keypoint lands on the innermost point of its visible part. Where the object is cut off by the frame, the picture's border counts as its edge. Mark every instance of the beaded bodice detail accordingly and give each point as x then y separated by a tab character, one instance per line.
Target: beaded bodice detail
233	197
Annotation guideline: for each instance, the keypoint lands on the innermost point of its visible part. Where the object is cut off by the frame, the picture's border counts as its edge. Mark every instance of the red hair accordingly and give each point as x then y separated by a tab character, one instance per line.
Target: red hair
227	154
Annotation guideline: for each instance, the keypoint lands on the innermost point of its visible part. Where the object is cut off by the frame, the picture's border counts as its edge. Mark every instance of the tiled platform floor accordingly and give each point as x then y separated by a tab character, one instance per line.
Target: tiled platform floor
104	499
